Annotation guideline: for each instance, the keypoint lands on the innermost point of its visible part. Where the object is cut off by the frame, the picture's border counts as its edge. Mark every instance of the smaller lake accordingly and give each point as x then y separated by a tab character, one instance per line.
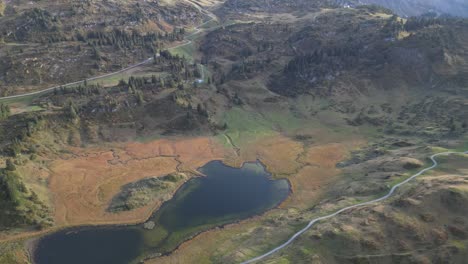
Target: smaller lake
117	245
224	196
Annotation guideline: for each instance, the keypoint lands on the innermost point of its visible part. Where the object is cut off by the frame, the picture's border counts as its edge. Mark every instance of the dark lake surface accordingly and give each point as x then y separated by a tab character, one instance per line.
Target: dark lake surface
90	245
224	196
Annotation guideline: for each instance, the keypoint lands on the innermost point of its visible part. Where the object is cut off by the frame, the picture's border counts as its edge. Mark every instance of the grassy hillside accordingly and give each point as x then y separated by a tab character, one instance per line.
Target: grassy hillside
20	207
371	67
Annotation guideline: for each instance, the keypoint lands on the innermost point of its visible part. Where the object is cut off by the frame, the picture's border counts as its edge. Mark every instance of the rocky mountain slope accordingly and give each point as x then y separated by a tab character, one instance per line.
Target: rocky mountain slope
357	60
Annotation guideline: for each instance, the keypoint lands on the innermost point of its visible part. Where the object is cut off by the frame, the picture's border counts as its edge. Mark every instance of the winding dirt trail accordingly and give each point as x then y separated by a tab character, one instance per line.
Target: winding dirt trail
388	195
198	30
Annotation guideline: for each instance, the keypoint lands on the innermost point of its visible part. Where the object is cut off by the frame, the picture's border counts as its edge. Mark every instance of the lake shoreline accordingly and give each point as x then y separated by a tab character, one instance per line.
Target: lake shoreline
32	243
223	226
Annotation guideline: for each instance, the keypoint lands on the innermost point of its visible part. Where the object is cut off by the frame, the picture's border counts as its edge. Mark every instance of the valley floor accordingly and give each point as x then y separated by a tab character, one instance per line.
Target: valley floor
341	139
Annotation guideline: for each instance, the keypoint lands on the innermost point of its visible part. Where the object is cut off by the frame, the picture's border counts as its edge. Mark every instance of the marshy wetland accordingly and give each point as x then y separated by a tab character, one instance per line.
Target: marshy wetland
223	196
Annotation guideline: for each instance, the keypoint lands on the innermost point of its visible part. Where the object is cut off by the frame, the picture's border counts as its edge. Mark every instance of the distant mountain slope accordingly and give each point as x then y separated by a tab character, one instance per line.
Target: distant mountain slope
401	7
276	6
418	7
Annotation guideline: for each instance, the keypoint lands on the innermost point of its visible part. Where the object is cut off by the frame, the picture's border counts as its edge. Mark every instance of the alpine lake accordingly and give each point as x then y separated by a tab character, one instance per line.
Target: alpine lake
224	196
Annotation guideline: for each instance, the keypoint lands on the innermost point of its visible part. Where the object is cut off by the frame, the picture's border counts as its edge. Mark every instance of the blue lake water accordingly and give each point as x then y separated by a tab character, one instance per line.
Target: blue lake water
224	196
